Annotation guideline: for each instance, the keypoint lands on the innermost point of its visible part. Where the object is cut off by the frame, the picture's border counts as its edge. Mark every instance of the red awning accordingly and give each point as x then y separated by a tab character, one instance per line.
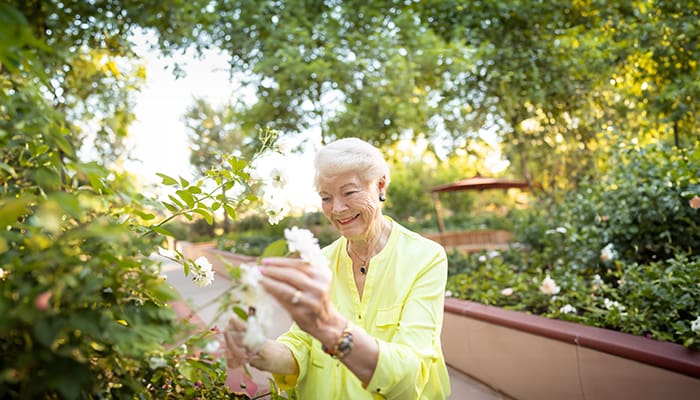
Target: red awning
480	183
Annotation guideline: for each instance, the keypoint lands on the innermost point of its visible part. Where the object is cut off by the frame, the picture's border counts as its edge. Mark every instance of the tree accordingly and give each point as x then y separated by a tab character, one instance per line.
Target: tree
537	73
214	134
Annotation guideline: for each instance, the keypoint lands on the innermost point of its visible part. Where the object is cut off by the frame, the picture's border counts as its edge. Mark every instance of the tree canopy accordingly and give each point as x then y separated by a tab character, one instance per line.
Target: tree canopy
557	82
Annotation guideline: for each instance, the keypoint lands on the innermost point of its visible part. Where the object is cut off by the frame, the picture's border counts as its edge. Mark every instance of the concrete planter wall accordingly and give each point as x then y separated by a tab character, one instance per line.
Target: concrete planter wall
531	357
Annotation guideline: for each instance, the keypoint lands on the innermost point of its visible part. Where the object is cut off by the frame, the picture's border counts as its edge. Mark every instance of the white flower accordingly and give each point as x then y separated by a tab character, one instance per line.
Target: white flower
694	203
568	309
695	325
277	206
3	274
493	254
611	304
254	172
549	286
157	362
212	346
254	338
448	293
300	240
482	258
284	145
250	289
278	177
304	242
507	291
203	274
559	229
608	253
597	282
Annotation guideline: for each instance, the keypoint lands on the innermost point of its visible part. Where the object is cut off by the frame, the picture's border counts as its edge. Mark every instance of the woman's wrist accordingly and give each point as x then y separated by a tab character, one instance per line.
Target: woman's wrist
332	331
343	345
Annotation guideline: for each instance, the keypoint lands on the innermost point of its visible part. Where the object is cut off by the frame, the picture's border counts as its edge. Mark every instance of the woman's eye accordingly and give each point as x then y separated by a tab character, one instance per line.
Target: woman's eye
350	193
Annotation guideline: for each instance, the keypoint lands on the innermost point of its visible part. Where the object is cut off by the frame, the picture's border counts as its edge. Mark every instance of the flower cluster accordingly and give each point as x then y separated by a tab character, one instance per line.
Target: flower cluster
251	293
274	196
613	305
202	272
567	309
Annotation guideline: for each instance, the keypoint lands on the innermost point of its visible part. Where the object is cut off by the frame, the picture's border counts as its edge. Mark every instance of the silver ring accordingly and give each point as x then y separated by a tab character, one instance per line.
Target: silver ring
296	297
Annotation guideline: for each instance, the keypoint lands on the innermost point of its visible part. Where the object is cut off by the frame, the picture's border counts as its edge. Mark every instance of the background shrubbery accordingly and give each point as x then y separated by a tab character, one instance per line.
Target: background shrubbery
625	251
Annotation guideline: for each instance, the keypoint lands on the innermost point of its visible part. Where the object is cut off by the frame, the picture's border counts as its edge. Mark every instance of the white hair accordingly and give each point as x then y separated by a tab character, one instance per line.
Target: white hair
351	154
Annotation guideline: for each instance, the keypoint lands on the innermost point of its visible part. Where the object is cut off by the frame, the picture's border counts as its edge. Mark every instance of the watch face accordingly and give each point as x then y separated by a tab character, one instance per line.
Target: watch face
345	345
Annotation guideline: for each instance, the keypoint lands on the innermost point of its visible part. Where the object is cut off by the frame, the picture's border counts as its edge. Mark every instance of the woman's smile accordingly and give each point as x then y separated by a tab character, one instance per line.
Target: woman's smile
346	221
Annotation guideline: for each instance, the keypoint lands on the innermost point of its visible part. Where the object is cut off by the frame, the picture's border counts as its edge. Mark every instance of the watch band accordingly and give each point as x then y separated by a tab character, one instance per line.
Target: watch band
343	345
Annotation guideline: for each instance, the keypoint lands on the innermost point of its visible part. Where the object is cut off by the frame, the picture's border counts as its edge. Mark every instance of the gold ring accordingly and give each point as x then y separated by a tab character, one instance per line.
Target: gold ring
296	297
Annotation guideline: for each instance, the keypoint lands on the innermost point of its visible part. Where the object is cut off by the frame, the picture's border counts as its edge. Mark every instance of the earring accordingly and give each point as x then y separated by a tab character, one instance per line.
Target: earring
382	197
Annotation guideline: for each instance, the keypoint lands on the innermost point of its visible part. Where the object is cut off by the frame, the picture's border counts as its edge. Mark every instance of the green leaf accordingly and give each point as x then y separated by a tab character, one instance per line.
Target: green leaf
161	230
230	211
145	215
187	197
167	180
241	313
170	207
278	248
68	203
176	201
206	214
9	169
12	209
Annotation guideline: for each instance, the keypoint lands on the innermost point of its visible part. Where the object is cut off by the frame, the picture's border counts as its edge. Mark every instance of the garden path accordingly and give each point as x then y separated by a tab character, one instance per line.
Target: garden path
197	305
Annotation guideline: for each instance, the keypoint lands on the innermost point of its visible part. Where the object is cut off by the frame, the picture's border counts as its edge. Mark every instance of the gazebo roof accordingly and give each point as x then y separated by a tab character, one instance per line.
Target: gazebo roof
480	183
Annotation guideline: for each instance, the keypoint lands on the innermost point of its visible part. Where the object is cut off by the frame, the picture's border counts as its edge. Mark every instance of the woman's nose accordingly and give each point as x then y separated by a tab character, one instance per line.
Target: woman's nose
339	205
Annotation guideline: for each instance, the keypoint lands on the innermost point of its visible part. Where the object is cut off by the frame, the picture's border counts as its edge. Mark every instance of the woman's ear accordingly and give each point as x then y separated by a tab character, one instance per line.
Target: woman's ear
381	184
381	188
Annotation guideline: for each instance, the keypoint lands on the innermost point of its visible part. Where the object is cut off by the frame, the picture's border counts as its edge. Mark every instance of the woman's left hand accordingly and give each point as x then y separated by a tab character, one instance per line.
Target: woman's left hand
304	291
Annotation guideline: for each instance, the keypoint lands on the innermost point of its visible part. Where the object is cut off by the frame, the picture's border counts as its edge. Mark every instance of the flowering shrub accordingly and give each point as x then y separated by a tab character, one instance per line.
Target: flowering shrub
621	253
84	308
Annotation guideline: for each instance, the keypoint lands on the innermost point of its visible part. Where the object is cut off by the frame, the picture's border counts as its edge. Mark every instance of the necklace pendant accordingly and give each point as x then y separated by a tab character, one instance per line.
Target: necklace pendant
363	270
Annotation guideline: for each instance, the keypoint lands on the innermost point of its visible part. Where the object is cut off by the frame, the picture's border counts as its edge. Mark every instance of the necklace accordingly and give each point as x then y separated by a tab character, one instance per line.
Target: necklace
363	261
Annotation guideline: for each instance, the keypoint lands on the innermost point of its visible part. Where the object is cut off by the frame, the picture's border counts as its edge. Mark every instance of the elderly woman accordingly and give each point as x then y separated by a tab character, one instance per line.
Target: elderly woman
373	330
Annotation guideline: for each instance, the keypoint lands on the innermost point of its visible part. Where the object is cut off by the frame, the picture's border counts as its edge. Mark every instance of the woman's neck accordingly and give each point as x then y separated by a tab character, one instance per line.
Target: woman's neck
375	240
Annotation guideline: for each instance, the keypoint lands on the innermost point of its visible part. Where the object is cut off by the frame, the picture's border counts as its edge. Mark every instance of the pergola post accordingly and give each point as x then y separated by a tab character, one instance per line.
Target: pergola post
438	212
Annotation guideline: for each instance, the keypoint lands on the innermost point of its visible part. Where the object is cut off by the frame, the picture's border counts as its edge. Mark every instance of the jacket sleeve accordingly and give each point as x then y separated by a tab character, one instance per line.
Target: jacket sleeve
299	343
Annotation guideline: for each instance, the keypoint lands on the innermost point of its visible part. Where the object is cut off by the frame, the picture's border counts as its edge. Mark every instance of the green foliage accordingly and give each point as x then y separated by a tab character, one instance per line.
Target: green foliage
645	203
623	249
85	309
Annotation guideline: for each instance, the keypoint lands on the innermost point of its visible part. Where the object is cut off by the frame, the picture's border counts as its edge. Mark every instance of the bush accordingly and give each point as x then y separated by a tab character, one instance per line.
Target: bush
623	250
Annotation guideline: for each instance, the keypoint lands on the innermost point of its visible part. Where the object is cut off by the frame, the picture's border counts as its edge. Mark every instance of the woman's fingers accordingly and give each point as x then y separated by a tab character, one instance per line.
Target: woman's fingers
236	324
237	354
289	276
288	262
286	294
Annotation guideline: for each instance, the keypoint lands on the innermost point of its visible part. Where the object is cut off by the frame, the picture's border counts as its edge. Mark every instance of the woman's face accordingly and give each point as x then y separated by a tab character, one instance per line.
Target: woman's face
349	203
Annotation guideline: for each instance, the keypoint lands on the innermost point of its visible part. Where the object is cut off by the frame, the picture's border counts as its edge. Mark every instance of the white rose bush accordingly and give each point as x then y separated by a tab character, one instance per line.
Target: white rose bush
246	297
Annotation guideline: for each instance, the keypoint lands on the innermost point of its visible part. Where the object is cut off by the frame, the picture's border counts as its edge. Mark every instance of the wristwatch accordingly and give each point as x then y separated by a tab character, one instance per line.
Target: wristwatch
342	346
